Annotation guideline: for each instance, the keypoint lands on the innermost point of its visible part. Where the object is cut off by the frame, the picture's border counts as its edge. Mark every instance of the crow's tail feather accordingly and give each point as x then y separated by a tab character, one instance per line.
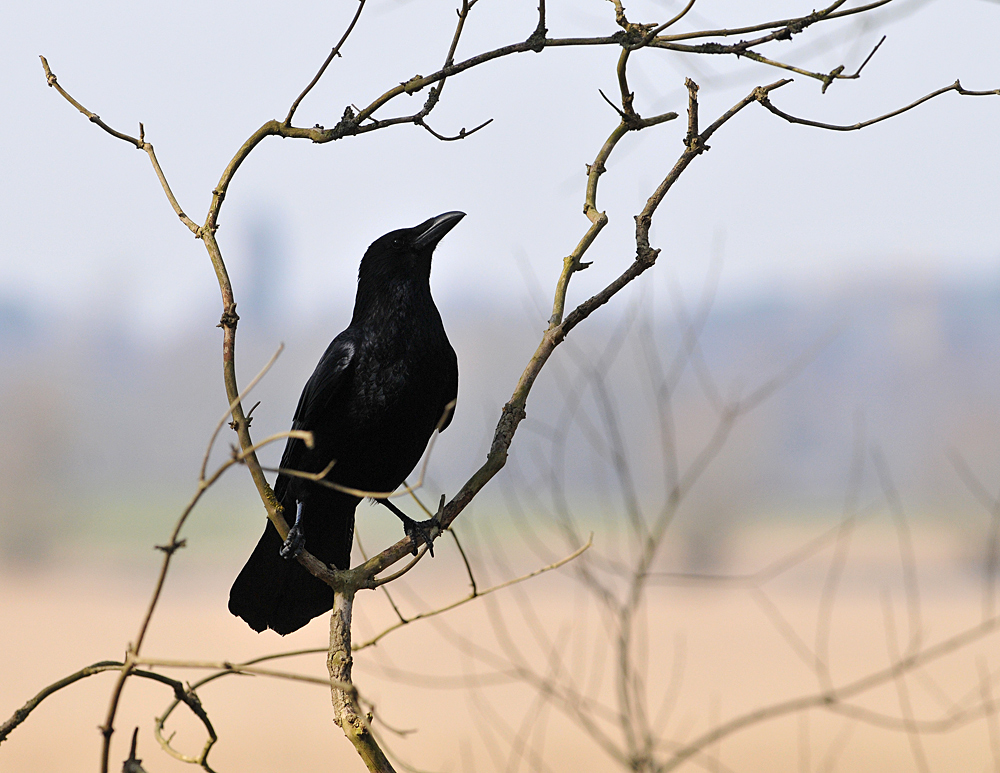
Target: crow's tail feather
272	592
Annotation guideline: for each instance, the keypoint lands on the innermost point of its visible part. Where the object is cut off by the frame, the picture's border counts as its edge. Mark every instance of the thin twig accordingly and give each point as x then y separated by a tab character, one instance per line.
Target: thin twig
992	505
139	143
322	69
383	587
472	596
462	133
320	477
465	560
831	583
907	554
902	691
169	549
833	700
785	26
992	724
232	404
657	30
956	86
181	695
238	668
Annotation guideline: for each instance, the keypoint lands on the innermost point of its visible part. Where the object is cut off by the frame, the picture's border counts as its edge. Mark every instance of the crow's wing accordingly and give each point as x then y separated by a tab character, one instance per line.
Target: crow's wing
323	385
451	378
318	395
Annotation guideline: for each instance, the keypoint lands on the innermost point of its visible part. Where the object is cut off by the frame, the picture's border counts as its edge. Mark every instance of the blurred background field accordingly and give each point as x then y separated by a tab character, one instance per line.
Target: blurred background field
107	430
104	481
730	654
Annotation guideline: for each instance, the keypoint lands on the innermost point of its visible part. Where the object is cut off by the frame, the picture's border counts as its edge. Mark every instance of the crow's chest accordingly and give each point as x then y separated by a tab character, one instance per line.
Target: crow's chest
397	378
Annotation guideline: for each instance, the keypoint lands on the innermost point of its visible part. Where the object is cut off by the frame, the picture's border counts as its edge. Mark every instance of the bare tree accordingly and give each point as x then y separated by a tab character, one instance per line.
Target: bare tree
631	39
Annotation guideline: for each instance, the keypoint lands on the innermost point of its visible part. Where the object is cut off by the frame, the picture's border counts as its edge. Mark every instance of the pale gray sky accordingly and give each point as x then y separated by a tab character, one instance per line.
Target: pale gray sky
88	232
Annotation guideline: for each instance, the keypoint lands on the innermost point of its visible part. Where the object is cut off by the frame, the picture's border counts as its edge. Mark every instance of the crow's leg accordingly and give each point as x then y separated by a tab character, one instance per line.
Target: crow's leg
418	531
296	539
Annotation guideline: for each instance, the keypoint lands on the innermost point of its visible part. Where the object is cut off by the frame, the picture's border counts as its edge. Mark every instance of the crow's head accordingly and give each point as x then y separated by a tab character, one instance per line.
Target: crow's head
406	253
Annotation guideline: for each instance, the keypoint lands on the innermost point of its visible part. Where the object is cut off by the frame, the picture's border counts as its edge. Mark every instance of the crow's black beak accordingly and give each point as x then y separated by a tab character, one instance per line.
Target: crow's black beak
432	231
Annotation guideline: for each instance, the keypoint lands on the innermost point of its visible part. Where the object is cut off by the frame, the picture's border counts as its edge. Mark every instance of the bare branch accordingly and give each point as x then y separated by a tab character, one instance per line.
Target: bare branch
462	133
465	560
347	712
232	404
774	569
181	695
421	551
835	571
992	723
645	255
903	692
657	30
857	73
833	700
992	505
140	143
225	666
22	713
956	86
171	547
320	477
907	555
473	595
786	27
785	630
322	69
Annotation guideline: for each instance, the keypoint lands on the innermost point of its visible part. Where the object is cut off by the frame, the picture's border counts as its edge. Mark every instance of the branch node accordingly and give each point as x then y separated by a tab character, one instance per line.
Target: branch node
413	85
173	547
347	125
432	99
831	77
696	144
229	318
536	41
646	255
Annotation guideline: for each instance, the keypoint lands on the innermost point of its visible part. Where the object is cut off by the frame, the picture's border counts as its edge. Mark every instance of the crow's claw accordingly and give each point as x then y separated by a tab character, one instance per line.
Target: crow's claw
420	531
293	544
296	539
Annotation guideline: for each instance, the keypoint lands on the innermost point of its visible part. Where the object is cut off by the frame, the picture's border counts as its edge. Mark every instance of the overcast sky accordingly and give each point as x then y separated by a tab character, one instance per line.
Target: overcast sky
88	233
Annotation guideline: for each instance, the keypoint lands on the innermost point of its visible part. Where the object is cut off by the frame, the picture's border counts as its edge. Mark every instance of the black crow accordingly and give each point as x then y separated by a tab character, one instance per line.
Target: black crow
376	396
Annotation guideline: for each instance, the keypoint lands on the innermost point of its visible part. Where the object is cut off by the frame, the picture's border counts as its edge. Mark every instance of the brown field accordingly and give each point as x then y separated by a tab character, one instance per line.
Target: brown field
740	649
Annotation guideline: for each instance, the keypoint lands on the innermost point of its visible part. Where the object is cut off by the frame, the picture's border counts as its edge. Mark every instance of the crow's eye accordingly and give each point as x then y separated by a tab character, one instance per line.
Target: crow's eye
397	242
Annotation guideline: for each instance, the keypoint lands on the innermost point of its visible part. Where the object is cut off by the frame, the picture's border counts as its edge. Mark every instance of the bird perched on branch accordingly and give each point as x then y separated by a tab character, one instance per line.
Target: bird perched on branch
378	393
